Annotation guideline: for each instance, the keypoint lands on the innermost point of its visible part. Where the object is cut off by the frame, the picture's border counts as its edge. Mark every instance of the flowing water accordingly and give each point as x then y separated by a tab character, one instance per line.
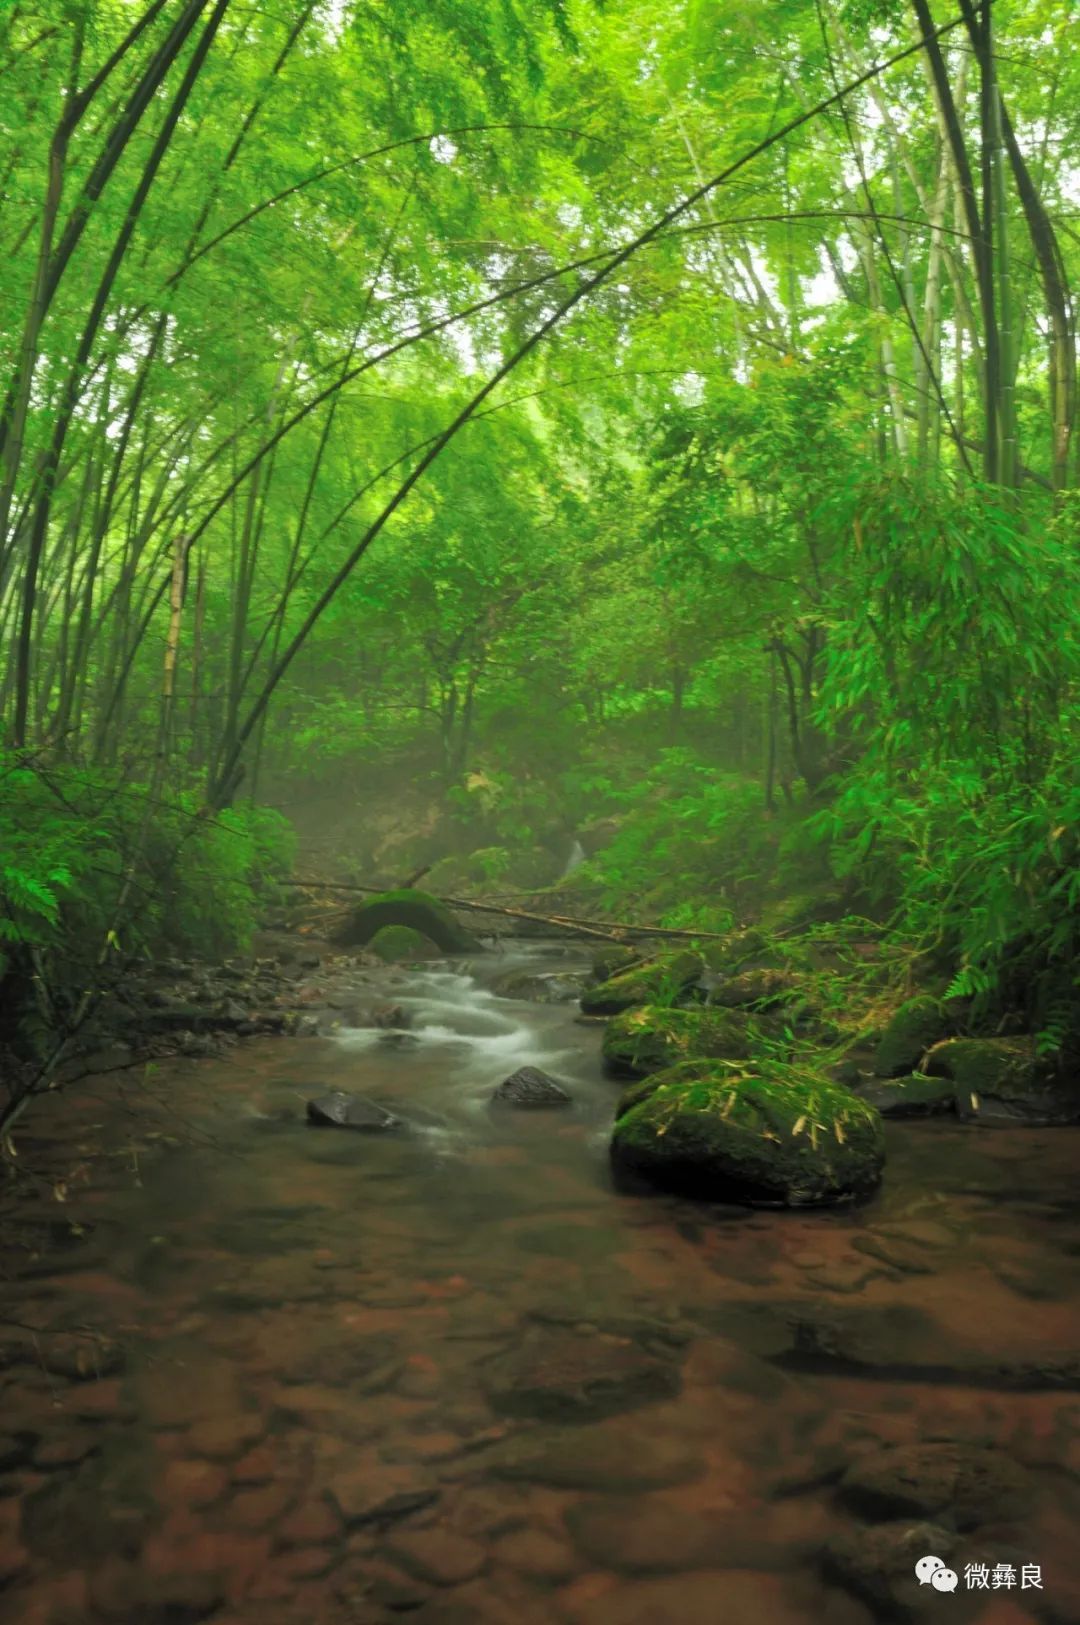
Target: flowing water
455	1375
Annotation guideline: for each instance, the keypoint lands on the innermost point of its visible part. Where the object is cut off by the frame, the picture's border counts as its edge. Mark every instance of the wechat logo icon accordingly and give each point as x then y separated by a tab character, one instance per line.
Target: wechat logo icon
931	1571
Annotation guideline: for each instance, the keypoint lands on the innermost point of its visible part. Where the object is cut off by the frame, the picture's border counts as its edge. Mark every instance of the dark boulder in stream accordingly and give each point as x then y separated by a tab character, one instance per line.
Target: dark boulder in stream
762	1134
340	1110
1003	1081
531	1090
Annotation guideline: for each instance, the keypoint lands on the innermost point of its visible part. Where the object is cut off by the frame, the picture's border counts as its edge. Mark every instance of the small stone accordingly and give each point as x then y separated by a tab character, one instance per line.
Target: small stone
530	1089
314	1523
223	1437
438	1556
535	1553
258	1508
600	1458
341	1110
194	1483
878	1564
257	1467
383	1494
64	1450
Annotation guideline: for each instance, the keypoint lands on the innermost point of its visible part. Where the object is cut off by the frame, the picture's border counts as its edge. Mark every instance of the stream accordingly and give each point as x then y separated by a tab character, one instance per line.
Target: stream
454	1375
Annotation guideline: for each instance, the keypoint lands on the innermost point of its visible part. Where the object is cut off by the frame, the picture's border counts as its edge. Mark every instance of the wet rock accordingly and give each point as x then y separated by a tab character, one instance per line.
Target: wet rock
530	1089
438	1556
560	1377
899	1254
913	1029
389	1016
384	1495
536	1554
1003	1080
64	1449
647	1039
963	1485
313	1523
915	1096
596	1458
539	987
341	1110
766	1137
878	1564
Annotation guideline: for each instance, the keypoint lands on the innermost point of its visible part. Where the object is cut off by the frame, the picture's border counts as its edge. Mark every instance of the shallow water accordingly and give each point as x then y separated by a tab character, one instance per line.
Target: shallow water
456	1375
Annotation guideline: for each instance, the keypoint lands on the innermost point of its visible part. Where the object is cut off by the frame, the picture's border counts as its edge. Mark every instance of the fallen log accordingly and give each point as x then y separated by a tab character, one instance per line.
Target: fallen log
606	931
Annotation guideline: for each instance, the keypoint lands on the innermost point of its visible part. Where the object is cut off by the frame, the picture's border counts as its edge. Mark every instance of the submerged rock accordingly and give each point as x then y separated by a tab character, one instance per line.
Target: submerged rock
1003	1080
963	1484
664	980
648	1038
530	1089
341	1110
913	1029
539	987
878	1564
768	1136
560	1376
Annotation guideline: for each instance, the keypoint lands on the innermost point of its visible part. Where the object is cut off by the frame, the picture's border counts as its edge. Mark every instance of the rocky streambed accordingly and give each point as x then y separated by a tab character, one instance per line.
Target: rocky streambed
258	1370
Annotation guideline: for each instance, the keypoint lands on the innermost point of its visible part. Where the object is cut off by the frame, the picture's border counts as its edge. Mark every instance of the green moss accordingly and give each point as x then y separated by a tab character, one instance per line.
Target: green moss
613	961
648	1038
1004	1080
914	1096
415	909
769	1135
736	950
663	980
912	1030
396	942
761	988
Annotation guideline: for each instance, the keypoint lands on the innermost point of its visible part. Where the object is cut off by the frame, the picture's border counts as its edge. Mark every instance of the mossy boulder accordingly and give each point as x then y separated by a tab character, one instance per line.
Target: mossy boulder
664	980
649	1038
761	988
769	1136
613	961
393	943
417	910
913	1029
1003	1080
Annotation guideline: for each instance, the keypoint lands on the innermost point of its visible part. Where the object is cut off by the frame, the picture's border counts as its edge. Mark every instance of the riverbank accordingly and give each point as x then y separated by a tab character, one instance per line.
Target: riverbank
264	1371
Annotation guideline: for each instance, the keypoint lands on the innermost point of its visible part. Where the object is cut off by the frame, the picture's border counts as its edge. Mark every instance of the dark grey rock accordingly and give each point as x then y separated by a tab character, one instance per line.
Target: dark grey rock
530	1089
341	1110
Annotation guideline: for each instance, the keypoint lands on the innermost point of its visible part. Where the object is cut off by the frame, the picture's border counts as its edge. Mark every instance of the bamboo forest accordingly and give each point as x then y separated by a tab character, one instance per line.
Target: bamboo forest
539	812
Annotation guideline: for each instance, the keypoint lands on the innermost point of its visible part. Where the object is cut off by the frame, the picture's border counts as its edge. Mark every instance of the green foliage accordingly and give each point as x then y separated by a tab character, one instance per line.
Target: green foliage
94	866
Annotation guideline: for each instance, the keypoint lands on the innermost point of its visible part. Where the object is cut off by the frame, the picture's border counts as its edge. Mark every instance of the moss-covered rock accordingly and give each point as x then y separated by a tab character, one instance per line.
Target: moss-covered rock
393	943
416	909
913	1029
1003	1080
663	980
613	961
769	1136
761	988
735	950
649	1038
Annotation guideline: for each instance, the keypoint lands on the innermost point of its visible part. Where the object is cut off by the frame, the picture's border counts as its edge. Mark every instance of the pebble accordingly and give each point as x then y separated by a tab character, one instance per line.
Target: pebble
436	1555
